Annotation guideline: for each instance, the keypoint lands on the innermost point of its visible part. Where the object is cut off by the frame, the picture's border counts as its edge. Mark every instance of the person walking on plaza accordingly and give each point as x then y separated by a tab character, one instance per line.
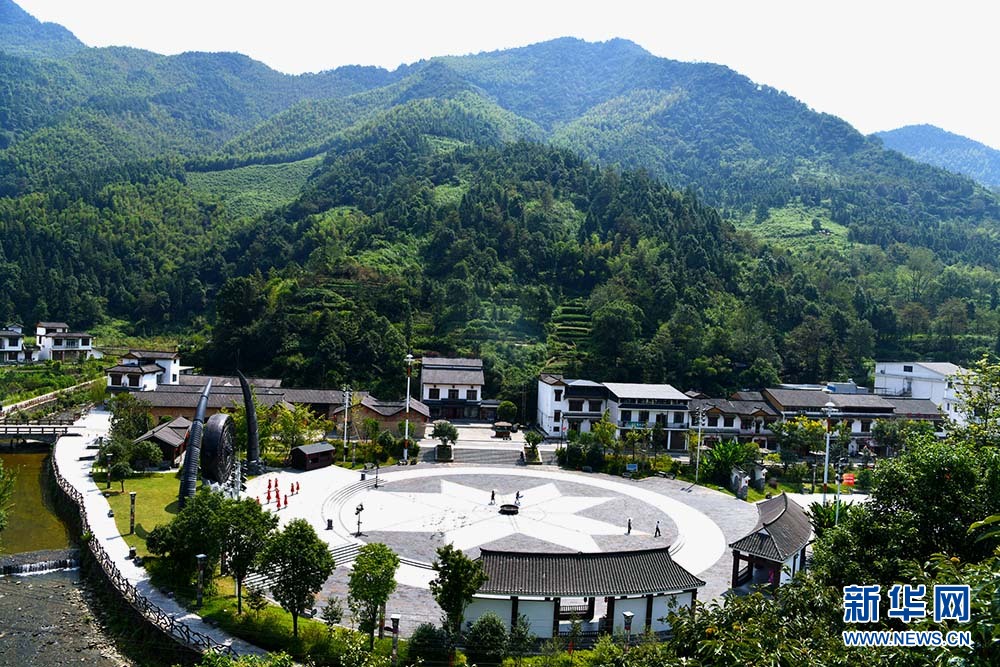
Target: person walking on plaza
493	497
517	498
629	531
657	532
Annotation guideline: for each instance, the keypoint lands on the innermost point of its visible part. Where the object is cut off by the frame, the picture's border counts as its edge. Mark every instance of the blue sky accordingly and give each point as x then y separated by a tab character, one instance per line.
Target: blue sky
878	64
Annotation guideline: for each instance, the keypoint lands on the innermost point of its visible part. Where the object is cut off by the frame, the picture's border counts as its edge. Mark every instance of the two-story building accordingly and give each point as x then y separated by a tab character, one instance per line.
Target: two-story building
145	370
650	406
569	405
734	419
56	342
12	344
452	388
938	382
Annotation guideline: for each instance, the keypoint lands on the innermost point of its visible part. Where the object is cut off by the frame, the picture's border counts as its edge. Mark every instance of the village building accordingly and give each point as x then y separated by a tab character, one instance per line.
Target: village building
776	548
144	370
569	405
734	419
171	437
390	415
553	589
938	382
12	345
452	389
57	343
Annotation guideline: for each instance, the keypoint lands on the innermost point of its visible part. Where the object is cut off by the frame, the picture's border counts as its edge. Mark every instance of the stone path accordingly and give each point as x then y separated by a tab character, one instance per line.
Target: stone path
70	453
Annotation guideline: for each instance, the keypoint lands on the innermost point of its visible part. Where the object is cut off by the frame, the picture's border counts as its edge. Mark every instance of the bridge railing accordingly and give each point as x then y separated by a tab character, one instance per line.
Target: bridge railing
177	630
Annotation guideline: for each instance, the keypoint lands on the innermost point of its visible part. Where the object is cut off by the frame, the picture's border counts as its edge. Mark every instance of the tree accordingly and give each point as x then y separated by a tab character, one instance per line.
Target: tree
429	644
246	529
725	456
7	479
130	417
445	431
300	563
145	454
333	612
197	529
799	435
256	599
605	431
978	390
120	471
372	581
521	639
893	434
458	579
486	643
506	411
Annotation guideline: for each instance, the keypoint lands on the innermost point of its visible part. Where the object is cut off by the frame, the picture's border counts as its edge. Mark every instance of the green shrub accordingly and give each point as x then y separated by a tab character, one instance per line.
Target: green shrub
429	644
486	641
574	456
796	474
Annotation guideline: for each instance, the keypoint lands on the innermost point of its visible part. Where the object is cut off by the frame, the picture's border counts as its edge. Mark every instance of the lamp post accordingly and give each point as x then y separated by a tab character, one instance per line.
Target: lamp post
828	410
347	406
395	637
376	474
108	457
201	575
406	427
131	512
836	505
357	512
627	615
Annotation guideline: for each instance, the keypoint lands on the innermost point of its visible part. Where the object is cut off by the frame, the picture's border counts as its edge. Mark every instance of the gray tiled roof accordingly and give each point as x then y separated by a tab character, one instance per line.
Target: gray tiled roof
53	325
171	433
325	396
782	529
151	354
733	407
132	368
791	399
436	375
315	448
914	407
226	381
626	390
451	362
584	574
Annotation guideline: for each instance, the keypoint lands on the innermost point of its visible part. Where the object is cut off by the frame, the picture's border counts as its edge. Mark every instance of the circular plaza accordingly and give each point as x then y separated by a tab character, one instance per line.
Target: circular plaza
415	510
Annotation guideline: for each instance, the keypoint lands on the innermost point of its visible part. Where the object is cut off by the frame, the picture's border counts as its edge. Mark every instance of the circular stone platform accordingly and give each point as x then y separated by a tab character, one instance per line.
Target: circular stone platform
416	511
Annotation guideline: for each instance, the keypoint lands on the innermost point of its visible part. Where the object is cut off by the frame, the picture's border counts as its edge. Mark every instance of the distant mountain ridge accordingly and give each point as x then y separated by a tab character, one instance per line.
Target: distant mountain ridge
22	34
933	145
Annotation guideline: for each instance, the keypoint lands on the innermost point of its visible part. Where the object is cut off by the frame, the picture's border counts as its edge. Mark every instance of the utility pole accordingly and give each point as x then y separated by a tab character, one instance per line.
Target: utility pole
406	427
347	407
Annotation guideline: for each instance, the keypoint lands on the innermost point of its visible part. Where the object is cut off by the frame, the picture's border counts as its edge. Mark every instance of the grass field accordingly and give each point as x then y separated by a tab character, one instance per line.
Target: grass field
792	227
155	503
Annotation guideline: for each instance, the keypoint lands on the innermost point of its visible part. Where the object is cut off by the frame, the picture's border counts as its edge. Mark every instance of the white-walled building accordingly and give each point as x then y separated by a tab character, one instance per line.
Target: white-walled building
57	343
576	405
453	389
934	381
12	345
145	370
554	589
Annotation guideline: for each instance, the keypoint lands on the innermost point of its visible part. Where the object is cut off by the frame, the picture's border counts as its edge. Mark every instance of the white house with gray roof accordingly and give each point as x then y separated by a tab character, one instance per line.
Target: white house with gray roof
931	380
452	388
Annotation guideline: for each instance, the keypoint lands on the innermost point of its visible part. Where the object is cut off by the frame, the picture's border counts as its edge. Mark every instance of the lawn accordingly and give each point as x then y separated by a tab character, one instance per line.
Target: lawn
155	503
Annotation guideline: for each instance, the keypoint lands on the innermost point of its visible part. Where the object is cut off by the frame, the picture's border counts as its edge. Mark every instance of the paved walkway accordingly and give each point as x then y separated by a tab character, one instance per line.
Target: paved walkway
69	452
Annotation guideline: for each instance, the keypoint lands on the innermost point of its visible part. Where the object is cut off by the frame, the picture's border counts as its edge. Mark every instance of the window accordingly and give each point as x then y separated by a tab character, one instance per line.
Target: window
555	429
626	415
644	416
557	416
907	369
434	394
174	376
595	406
866	426
713	420
727	422
453	394
558	395
470	394
116	379
576	406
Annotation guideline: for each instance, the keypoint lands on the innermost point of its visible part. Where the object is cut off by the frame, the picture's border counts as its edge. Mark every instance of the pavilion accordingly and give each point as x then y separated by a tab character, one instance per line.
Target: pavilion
776	548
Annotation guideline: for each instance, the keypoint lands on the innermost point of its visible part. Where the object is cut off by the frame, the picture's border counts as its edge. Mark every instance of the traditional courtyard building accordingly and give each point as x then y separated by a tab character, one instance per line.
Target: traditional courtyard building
145	370
734	419
390	415
171	437
776	548
553	589
56	342
452	388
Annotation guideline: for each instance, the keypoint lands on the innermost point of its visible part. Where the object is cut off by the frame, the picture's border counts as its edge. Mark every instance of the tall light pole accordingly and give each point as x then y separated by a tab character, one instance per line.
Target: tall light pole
828	410
347	406
395	638
406	427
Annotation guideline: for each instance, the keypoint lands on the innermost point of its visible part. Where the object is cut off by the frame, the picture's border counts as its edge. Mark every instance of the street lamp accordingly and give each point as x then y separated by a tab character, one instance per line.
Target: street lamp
376	474
836	506
201	575
395	637
108	457
828	410
406	427
627	615
357	512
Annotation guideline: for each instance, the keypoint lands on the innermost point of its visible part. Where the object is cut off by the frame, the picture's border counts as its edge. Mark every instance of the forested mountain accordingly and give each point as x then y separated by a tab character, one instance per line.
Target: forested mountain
930	144
23	34
568	206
